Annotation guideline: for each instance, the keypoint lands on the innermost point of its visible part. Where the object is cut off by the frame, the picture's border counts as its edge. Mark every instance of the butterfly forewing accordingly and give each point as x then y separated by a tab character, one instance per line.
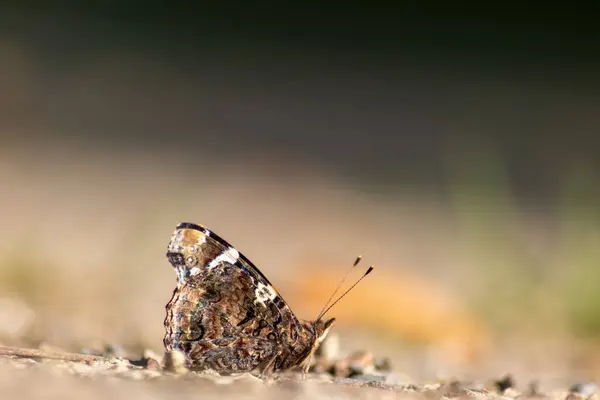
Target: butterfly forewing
224	313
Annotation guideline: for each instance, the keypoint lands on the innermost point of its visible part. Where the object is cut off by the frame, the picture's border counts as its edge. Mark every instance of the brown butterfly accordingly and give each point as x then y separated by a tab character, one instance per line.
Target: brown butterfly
226	316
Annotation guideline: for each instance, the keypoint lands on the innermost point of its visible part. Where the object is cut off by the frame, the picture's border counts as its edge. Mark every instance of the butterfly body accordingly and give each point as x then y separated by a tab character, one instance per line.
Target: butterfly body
225	315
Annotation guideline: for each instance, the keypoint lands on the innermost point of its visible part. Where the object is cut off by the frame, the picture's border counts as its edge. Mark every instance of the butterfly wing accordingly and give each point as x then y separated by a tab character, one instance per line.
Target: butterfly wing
224	313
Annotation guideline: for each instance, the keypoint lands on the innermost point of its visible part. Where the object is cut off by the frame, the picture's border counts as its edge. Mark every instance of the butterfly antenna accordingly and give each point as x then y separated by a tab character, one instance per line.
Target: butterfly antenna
345	293
339	285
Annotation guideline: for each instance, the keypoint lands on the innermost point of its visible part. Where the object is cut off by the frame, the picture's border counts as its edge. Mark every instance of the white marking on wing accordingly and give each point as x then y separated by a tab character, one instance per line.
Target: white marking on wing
230	255
264	293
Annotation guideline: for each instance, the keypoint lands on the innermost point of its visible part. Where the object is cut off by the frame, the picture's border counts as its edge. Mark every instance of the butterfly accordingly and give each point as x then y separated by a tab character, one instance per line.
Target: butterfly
225	315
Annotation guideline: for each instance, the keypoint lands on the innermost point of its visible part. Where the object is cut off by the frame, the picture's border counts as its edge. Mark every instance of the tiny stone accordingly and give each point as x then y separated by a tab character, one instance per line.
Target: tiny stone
150	354
411	387
383	364
504	383
452	389
361	357
149	360
533	389
586	389
358	369
357	363
174	361
118	364
329	349
113	350
339	369
153	365
432	386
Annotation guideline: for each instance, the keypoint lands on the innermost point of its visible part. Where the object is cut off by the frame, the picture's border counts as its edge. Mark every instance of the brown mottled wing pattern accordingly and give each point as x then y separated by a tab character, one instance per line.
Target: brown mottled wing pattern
224	314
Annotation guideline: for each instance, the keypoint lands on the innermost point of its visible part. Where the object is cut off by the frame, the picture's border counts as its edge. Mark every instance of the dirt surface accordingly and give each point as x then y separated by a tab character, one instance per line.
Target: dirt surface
33	373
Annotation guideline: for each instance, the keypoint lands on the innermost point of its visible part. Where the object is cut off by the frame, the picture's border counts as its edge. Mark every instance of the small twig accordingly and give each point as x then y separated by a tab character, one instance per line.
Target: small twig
35	353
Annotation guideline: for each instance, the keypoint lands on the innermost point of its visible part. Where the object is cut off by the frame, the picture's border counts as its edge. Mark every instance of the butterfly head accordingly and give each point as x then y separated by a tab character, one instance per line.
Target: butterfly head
320	329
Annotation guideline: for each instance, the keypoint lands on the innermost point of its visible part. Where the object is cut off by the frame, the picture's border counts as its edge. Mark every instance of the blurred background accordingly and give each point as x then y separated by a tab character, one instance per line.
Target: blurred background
455	149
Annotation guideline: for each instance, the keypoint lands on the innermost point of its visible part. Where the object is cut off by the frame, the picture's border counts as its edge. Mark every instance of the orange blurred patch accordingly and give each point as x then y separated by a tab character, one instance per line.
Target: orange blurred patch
398	303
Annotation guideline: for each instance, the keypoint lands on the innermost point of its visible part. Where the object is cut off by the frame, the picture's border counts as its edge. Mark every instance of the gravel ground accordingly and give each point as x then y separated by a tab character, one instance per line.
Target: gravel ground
39	373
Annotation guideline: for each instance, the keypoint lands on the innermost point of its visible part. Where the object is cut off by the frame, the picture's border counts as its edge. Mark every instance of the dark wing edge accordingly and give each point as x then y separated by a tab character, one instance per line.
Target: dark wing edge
225	244
242	262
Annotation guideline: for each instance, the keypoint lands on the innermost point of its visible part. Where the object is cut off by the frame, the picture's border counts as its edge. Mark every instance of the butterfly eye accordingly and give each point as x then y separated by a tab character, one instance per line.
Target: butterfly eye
190	260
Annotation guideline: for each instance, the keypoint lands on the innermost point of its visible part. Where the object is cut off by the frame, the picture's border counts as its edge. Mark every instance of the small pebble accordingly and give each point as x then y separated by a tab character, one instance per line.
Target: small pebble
113	350
585	389
174	361
579	391
150	360
432	386
329	349
452	389
504	383
150	354
358	363
383	364
153	365
120	367
533	388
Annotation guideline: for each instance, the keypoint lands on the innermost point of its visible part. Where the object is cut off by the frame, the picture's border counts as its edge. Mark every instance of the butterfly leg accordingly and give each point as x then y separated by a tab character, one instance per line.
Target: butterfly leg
268	370
306	366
